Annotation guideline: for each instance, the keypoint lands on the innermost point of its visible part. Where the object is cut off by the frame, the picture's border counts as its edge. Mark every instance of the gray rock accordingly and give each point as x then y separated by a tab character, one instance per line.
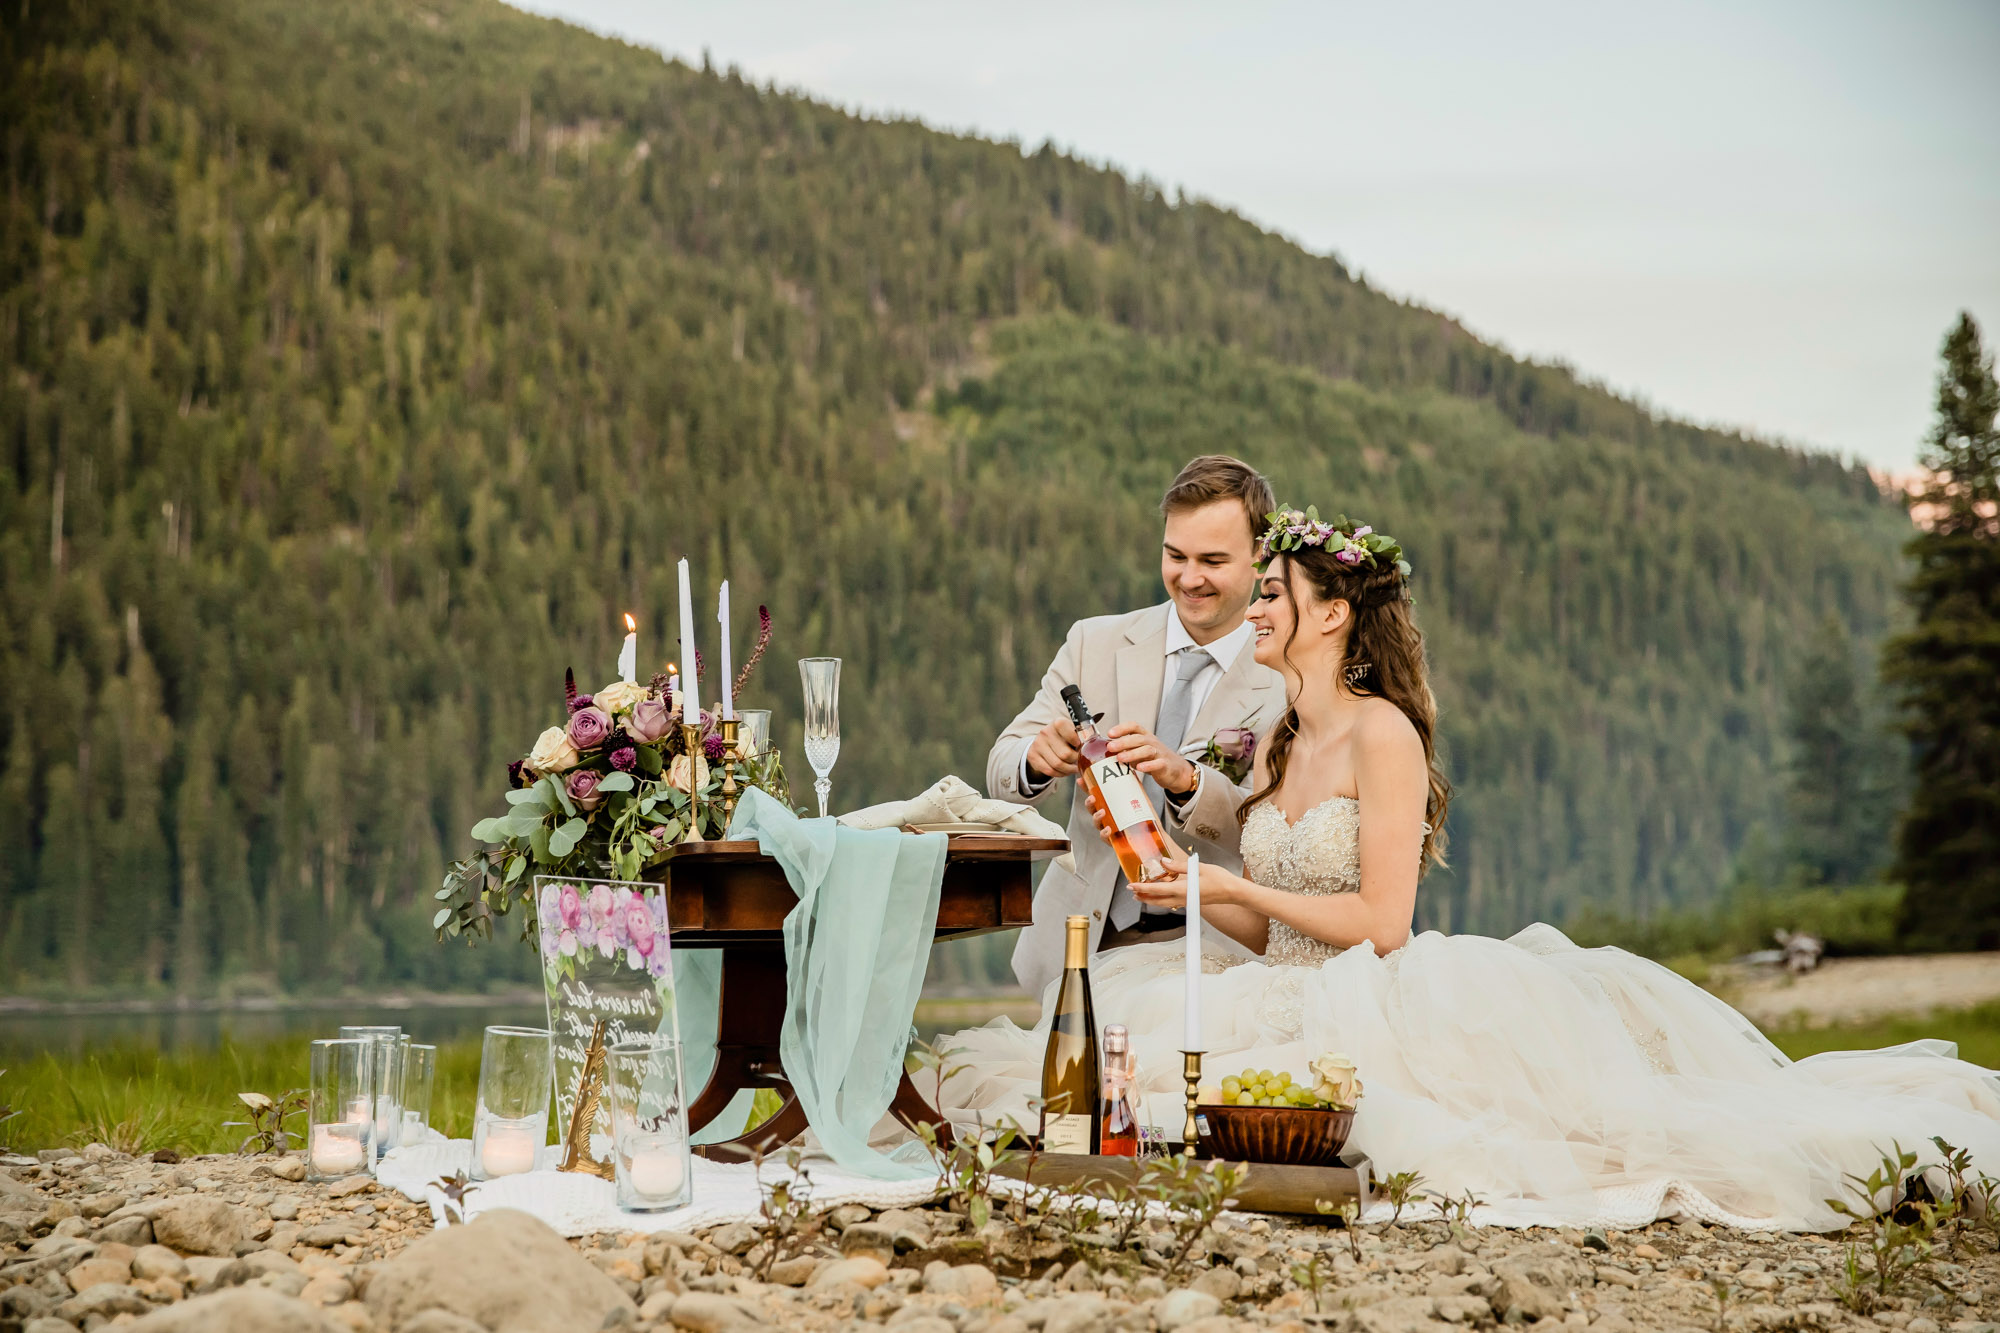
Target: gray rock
708	1312
194	1224
287	1168
133	1231
734	1238
1515	1289
440	1321
104	1299
504	1270
238	1310
329	1234
1399	1314
285	1208
23	1303
965	1282
1081	1312
796	1271
1184	1307
847	1215
1221	1283
103	1205
870	1239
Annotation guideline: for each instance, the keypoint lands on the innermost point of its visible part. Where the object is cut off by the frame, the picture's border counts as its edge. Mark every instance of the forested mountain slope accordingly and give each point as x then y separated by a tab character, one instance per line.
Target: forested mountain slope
364	361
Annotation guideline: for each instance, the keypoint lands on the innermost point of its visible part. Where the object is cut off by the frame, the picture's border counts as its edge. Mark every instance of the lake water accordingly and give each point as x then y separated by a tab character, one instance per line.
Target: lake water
426	1020
171	1030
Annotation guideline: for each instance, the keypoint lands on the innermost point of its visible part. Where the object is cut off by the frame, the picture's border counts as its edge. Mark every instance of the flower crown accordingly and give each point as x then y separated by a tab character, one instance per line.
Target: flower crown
1350	543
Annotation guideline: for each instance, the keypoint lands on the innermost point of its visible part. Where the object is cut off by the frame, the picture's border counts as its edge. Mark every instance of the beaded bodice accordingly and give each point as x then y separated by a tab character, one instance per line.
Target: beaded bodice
1319	854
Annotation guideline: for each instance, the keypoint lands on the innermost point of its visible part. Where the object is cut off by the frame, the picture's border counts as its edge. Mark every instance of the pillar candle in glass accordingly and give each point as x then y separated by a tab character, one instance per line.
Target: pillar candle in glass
510	1121
338	1127
419	1076
388	1083
648	1124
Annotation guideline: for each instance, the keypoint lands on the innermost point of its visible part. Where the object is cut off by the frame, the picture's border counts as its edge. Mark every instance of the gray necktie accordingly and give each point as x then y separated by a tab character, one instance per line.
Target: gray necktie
1176	710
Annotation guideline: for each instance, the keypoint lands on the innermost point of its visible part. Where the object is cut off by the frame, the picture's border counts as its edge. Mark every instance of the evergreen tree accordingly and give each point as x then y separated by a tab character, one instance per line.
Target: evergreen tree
1836	824
1947	667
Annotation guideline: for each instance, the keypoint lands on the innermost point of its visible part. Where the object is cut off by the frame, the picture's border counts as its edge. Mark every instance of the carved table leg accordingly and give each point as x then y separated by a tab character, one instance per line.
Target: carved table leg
751	1011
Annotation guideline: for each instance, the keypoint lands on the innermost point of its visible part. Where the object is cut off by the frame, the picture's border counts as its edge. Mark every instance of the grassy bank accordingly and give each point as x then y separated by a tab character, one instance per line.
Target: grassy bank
141	1099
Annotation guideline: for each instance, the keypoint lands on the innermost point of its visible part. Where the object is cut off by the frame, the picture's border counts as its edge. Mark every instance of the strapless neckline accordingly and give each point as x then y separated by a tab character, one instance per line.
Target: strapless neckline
1310	811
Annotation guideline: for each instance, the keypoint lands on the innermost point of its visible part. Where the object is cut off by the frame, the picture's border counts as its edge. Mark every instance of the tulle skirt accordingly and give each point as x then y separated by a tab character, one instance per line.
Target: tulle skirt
1560	1085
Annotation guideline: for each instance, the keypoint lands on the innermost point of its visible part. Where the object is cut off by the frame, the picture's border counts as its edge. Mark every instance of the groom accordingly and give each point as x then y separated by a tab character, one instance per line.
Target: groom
1166	678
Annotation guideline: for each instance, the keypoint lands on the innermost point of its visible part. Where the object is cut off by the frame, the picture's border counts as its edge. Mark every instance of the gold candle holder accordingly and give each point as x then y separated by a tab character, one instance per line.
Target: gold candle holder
1191	1073
691	746
731	757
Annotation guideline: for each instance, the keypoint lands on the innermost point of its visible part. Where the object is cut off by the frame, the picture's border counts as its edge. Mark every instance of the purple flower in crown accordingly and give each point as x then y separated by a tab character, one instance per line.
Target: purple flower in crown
1363	531
1350	556
569	905
625	758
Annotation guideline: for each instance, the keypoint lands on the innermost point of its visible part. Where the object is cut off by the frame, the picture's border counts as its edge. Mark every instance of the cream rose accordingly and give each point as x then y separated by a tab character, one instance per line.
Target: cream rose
553	753
1336	1080
677	772
619	696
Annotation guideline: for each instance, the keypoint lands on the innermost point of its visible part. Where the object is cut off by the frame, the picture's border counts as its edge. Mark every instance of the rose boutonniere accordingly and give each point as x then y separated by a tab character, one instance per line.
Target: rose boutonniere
1230	751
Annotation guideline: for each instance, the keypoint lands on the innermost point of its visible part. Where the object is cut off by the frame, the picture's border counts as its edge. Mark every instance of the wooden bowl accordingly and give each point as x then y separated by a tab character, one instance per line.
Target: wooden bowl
1284	1135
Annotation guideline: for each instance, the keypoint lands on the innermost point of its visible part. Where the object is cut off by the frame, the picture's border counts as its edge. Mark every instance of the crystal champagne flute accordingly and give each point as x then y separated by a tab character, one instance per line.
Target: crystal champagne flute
821	678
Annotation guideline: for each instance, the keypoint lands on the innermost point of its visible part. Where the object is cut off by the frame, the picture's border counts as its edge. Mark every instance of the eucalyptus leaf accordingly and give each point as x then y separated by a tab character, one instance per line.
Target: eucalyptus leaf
515	867
564	840
443	915
488	830
616	782
523	795
538	843
649	759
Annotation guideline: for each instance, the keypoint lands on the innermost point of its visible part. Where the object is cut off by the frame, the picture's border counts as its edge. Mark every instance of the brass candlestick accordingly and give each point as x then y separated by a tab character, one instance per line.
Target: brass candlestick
731	756
691	744
1191	1072
583	1117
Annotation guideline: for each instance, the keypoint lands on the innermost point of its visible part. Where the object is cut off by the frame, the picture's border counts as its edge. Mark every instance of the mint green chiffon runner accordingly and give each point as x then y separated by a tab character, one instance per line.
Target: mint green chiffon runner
856	949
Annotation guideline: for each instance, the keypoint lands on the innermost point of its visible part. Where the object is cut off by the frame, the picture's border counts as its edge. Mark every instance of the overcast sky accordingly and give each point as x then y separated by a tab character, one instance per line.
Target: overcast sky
1763	214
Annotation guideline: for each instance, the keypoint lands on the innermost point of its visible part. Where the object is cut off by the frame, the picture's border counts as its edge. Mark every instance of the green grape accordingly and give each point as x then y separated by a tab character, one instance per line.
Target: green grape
1230	1087
1265	1076
1248	1076
1284	1080
1245	1098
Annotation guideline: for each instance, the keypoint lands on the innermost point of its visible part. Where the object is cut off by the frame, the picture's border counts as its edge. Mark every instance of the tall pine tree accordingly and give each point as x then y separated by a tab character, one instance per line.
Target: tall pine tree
1948	667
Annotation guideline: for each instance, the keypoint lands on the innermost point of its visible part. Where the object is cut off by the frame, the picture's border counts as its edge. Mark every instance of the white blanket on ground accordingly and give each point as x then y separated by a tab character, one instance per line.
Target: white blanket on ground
580	1205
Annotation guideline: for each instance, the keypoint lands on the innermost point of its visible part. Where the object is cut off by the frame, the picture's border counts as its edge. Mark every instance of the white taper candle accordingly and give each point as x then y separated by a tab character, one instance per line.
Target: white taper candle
728	686
1193	1035
690	708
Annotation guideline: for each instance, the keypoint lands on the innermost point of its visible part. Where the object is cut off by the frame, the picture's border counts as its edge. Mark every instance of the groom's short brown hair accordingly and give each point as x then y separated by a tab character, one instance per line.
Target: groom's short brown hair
1214	477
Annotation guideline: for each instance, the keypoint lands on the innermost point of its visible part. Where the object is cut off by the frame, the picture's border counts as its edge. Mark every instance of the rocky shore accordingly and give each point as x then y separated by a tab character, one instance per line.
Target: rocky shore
229	1244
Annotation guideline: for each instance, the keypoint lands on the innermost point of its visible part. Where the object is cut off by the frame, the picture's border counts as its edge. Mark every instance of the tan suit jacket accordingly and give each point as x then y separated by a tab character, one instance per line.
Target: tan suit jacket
1119	662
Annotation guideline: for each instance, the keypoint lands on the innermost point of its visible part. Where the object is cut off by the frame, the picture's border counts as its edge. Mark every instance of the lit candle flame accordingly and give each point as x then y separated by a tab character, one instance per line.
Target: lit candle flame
631	625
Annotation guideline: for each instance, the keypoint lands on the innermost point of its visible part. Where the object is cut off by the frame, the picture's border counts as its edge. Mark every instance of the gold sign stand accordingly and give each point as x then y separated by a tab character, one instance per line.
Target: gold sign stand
589	1096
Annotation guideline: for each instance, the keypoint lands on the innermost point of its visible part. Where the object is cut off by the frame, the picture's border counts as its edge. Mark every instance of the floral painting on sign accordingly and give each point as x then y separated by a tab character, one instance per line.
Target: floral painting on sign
605	956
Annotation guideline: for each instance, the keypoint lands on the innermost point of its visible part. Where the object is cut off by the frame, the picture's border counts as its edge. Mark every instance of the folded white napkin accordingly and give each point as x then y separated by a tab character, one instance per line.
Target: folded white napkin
951	800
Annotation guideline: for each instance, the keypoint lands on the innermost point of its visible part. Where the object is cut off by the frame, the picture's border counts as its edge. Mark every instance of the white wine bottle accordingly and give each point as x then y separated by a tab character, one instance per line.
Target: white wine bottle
1070	1086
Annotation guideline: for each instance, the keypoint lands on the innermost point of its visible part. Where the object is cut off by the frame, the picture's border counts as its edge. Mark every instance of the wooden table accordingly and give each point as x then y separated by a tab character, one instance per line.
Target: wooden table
730	896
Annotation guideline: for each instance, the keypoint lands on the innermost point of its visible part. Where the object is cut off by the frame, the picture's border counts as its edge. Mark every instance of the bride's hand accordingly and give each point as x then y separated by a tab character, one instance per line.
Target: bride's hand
1169	891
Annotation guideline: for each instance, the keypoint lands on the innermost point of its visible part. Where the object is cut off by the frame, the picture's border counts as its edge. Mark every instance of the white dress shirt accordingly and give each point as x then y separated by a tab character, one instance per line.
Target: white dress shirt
1222	655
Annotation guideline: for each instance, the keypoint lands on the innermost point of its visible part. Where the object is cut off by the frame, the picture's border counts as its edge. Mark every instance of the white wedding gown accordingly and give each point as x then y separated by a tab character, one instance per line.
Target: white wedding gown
1563	1086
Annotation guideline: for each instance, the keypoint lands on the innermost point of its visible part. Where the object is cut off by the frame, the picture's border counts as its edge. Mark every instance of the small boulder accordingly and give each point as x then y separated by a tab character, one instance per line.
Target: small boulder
863	1270
130	1230
102	1205
504	1270
795	1271
707	1312
94	1271
1223	1284
196	1224
870	1239
158	1261
972	1283
734	1238
238	1310
291	1168
104	1300
1184	1307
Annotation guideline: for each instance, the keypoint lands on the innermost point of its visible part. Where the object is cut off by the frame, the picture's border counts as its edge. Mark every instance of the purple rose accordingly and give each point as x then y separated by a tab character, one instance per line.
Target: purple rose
570	904
589	728
581	784
1236	743
649	719
625	758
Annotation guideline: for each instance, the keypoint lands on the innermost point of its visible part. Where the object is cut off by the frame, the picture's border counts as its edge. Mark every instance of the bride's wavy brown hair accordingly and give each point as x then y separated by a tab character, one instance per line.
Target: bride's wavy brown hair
1383	636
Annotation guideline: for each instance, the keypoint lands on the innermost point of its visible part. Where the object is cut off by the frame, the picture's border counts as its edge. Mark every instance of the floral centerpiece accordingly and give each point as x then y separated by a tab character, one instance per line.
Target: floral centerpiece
604	795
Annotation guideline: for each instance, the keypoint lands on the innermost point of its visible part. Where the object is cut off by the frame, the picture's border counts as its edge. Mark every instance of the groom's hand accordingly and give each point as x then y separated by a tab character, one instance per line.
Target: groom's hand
1053	753
1141	749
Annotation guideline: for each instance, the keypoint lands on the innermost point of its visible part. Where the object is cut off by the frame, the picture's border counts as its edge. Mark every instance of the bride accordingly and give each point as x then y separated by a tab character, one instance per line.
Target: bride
1560	1085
